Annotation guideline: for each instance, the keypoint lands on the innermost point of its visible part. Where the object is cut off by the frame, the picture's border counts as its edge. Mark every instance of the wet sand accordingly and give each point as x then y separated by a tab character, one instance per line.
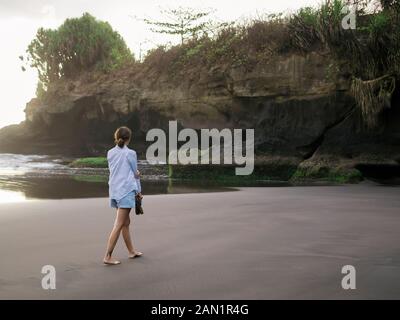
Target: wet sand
256	243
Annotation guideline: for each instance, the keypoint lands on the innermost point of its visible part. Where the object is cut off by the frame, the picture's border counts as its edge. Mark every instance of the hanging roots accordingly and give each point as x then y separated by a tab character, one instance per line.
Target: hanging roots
372	97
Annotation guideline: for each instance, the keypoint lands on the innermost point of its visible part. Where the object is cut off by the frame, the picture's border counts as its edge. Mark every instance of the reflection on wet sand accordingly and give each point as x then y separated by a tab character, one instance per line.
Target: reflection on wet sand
64	187
11	196
24	177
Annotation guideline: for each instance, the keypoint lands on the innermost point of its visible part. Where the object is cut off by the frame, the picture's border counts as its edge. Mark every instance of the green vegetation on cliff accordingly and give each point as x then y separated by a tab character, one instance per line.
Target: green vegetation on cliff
289	77
337	175
225	174
90	162
78	45
272	171
368	56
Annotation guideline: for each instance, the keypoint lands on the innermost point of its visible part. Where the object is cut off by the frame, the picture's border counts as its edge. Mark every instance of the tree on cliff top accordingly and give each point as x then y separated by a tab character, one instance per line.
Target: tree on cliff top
185	22
79	44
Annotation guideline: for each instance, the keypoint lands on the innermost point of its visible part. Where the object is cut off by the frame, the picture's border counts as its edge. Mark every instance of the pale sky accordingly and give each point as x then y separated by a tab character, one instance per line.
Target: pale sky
20	19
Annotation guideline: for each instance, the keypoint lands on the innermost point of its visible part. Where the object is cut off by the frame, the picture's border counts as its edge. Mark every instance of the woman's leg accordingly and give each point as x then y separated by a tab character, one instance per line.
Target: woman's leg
128	241
122	214
127	235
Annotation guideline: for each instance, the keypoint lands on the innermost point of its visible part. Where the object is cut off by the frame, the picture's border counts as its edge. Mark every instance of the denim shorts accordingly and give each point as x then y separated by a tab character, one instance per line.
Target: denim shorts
126	202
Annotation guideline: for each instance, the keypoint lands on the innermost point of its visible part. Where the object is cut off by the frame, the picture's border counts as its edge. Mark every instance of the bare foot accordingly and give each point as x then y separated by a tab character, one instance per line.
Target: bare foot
110	261
134	254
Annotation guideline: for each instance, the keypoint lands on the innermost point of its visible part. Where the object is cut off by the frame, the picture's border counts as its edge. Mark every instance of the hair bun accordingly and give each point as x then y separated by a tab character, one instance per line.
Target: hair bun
120	142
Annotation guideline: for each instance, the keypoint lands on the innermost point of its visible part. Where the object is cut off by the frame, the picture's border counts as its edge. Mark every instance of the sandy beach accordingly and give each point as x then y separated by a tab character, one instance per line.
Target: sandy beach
255	243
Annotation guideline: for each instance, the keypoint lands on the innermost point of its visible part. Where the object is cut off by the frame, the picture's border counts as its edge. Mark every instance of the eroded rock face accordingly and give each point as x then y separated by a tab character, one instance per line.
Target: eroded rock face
297	108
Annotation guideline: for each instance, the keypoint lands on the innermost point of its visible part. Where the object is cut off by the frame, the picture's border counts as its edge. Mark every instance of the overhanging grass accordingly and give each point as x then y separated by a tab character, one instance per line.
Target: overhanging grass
90	162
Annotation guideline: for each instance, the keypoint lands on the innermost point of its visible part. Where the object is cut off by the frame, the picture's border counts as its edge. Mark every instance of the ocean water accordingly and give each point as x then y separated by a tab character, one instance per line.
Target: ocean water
30	177
19	164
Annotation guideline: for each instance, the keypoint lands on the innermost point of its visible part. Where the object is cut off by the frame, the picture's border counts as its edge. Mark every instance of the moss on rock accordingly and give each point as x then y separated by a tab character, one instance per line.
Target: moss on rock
90	162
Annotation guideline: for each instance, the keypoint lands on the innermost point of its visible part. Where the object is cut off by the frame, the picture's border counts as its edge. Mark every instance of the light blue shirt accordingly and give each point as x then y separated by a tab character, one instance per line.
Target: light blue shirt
122	163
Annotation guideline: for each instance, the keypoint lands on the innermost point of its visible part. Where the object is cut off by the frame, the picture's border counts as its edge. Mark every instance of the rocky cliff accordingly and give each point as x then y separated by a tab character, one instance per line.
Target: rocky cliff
297	106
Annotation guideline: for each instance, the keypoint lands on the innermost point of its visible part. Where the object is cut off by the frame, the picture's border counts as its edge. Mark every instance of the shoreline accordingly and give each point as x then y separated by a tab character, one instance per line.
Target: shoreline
267	170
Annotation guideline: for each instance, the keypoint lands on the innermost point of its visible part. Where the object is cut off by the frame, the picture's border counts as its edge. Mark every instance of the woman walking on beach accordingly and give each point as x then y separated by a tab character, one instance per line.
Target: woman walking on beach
124	185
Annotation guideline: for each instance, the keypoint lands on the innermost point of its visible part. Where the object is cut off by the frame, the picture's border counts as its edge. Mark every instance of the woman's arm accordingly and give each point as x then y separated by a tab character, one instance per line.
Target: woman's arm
133	163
